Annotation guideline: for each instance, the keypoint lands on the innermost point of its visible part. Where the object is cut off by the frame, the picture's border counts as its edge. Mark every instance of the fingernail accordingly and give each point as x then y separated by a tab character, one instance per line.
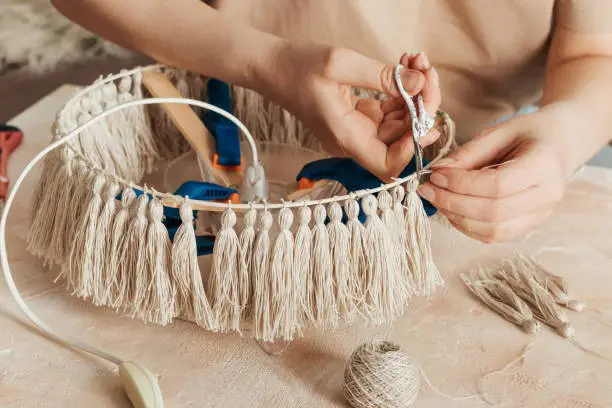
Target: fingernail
412	80
424	60
436	78
444	162
439	180
426	192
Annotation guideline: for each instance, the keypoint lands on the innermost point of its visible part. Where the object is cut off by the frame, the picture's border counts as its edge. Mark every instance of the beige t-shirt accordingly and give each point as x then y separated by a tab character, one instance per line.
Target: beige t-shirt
490	54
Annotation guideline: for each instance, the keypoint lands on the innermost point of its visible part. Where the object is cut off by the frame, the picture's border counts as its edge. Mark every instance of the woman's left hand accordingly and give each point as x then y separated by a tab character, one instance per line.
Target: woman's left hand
505	181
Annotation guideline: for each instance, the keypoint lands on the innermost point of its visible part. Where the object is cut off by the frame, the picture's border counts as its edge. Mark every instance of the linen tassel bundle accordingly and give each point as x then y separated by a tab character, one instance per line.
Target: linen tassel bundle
322	276
82	266
386	292
262	322
192	302
116	277
340	245
282	294
158	302
426	275
225	284
497	295
302	267
102	246
359	266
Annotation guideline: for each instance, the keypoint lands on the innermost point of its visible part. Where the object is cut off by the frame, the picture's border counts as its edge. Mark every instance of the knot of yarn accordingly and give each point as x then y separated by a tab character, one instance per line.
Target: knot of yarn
98	185
285	218
141	205
384	200
319	214
112	190
127	197
266	221
66	155
186	213
137	78
305	214
250	218
125	84
352	209
156	210
369	205
379	375
228	219
109	94
335	212
412	185
84	117
398	194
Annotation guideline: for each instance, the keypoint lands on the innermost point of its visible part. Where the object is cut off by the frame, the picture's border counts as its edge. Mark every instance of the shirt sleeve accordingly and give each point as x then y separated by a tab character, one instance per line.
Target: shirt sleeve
585	16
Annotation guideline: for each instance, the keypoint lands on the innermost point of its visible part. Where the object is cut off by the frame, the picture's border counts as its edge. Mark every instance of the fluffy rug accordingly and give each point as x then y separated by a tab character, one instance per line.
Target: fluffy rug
35	37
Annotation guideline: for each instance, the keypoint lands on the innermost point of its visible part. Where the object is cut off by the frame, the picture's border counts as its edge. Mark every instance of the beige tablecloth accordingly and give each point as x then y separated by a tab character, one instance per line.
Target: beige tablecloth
454	338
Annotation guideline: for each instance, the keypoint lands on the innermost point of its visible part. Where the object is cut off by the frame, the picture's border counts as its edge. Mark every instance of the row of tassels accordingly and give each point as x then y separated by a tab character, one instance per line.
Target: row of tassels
121	257
324	273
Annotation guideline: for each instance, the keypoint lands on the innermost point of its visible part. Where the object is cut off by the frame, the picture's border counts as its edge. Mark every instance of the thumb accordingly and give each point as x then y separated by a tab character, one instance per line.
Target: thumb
352	68
481	151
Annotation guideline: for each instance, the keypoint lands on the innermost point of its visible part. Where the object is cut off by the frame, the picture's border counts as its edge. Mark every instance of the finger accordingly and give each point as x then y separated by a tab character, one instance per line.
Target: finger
482	150
392	130
356	137
503	181
420	62
397	115
393	104
489	209
352	68
370	108
497	232
432	96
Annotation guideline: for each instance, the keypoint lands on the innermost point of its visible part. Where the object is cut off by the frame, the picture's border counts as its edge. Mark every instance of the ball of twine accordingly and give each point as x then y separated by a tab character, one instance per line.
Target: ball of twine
379	375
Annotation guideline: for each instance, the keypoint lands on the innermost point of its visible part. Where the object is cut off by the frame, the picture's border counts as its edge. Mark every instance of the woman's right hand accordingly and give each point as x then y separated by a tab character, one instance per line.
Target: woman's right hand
313	81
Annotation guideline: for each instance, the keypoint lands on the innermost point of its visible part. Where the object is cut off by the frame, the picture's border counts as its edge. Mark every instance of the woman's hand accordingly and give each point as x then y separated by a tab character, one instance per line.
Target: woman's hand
507	180
314	82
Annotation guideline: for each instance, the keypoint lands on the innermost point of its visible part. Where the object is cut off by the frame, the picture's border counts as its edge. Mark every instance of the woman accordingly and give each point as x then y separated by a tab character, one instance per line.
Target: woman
491	57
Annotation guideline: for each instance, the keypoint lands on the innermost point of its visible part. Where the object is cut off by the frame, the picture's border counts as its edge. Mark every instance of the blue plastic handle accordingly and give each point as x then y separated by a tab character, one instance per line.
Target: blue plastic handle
224	131
197	190
353	177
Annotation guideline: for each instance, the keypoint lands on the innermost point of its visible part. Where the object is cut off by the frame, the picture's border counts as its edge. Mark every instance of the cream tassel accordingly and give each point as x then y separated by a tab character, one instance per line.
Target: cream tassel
389	219
247	240
82	265
326	311
359	264
160	294
556	285
387	293
502	300
224	282
304	284
345	280
541	303
262	325
136	278
427	276
102	242
406	260
50	187
60	244
191	296
115	295
283	299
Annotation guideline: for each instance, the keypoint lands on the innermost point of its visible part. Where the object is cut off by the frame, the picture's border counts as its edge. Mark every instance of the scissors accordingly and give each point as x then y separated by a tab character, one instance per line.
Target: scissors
422	122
